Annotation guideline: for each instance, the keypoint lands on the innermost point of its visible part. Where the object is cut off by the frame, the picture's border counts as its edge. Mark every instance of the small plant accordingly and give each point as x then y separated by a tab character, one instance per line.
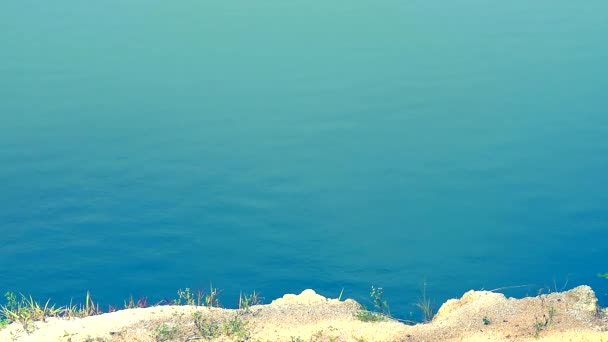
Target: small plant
26	310
186	297
165	332
296	339
485	320
4	323
90	308
206	327
369	316
552	313
538	327
95	339
425	305
381	305
142	302
245	301
212	299
236	328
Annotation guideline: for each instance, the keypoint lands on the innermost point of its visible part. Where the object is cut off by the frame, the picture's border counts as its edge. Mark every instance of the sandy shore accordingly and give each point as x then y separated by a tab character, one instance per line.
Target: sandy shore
477	316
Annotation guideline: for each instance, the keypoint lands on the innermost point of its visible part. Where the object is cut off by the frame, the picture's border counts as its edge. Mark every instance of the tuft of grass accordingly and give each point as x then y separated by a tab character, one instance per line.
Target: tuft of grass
212	298
538	327
187	297
142	302
205	326
369	316
246	301
165	332
25	309
552	313
79	311
425	305
236	328
381	308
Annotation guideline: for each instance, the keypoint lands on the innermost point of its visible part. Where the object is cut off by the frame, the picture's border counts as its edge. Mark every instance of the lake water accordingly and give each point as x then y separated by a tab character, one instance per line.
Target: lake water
147	146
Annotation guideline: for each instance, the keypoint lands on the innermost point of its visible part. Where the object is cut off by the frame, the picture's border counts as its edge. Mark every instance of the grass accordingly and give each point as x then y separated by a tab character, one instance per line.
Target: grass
381	308
165	332
206	326
246	301
4	323
538	327
369	316
236	328
23	309
425	305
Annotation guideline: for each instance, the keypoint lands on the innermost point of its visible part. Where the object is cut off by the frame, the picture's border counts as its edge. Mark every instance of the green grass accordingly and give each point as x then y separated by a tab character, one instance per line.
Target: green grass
538	327
187	297
425	305
165	332
381	308
246	301
236	328
206	326
369	316
25	310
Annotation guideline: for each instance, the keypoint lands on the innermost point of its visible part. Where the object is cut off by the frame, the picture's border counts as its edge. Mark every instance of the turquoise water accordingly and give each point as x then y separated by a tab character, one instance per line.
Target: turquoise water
147	146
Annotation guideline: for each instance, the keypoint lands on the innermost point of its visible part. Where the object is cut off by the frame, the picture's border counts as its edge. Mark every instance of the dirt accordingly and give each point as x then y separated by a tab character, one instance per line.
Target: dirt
477	316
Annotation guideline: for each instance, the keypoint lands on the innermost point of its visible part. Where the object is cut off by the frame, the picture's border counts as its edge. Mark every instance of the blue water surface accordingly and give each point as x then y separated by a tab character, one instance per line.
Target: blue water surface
147	146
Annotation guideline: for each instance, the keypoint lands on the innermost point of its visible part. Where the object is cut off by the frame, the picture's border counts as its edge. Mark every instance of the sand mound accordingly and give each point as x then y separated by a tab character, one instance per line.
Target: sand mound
477	316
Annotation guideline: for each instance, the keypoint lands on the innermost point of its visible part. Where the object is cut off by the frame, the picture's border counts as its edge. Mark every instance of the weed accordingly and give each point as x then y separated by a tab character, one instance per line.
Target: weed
142	302
95	339
206	327
552	313
369	316
4	323
317	337
425	305
381	305
236	328
296	339
538	327
187	297
212	299
88	309
485	320
245	301
25	310
165	332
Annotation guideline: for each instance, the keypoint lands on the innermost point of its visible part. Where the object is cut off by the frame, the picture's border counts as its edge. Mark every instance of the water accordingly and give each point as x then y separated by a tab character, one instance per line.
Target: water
148	146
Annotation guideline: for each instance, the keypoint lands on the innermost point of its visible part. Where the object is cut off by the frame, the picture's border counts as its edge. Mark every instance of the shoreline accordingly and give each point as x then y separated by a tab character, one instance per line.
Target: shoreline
572	315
